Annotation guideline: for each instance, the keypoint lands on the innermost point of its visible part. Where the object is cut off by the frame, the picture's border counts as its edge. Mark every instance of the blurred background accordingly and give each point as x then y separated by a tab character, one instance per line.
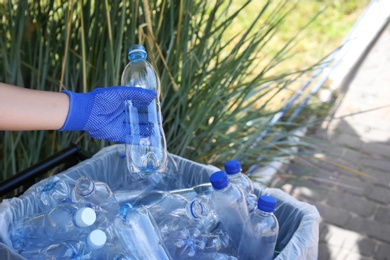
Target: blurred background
232	72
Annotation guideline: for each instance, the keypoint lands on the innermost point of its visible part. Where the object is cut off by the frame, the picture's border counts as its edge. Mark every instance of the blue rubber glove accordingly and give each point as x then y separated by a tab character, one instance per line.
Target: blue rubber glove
101	112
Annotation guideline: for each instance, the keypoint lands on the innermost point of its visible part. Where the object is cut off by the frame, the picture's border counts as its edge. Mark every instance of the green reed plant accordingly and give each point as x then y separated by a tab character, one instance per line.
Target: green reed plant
216	94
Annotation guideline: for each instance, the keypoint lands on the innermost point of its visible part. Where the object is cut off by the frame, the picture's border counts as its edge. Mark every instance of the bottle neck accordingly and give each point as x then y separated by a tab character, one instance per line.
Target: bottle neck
225	188
263	213
85	186
196	209
234	175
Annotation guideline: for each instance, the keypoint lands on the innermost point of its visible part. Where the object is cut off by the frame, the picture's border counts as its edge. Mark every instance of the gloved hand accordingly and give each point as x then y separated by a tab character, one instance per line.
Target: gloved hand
101	112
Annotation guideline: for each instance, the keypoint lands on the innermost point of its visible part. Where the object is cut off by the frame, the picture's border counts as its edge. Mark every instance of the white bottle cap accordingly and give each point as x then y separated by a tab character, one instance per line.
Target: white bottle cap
96	239
85	217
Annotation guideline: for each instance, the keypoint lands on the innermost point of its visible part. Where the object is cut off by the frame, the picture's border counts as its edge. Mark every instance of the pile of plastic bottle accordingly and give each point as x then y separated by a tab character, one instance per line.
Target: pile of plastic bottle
222	219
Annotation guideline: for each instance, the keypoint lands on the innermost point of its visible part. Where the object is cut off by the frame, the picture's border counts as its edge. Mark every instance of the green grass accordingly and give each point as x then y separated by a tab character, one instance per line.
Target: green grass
322	36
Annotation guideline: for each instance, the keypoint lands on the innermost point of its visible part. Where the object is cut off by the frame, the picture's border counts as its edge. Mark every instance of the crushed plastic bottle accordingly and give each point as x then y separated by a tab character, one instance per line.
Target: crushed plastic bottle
203	191
139	234
51	192
63	221
184	224
90	248
71	249
67	220
162	204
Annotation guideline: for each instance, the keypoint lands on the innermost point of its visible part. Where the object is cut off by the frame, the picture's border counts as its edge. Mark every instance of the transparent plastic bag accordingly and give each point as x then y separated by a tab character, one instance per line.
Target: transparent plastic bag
299	221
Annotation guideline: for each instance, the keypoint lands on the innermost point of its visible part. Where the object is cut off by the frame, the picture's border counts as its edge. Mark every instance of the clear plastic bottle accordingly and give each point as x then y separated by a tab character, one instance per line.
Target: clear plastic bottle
161	204
97	195
60	223
203	190
70	249
216	256
260	232
67	221
185	242
183	223
188	241
139	234
28	233
229	204
219	241
88	248
50	192
146	152
234	172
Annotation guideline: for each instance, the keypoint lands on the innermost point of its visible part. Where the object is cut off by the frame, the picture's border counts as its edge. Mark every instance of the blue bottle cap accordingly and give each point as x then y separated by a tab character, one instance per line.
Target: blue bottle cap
232	167
266	203
123	210
137	53
219	180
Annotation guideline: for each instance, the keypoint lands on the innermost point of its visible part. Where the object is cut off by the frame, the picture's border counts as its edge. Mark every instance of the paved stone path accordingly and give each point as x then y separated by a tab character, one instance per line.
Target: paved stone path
354	203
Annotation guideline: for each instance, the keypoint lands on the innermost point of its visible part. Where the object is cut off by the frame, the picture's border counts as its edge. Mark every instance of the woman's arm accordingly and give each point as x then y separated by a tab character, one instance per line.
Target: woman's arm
26	109
101	112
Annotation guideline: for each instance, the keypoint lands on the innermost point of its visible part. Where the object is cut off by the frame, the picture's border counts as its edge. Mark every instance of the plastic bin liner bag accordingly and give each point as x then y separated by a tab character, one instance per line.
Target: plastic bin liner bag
298	221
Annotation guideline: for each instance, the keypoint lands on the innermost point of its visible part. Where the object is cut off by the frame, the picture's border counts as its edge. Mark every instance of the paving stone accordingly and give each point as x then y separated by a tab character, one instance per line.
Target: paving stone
379	194
352	203
337	167
370	119
344	254
357	242
298	168
370	134
373	123
322	133
353	184
379	178
348	140
382	164
366	246
344	128
322	229
351	155
376	135
341	237
349	255
323	251
339	151
376	149
333	251
356	213
383	252
341	166
361	107
383	215
337	217
374	229
368	99
310	194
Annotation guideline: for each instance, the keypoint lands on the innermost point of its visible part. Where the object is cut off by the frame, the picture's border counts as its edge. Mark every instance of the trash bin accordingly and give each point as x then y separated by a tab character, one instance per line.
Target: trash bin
299	221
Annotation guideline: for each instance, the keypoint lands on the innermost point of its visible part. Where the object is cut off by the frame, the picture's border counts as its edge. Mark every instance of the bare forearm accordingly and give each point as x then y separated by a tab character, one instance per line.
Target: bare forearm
26	109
